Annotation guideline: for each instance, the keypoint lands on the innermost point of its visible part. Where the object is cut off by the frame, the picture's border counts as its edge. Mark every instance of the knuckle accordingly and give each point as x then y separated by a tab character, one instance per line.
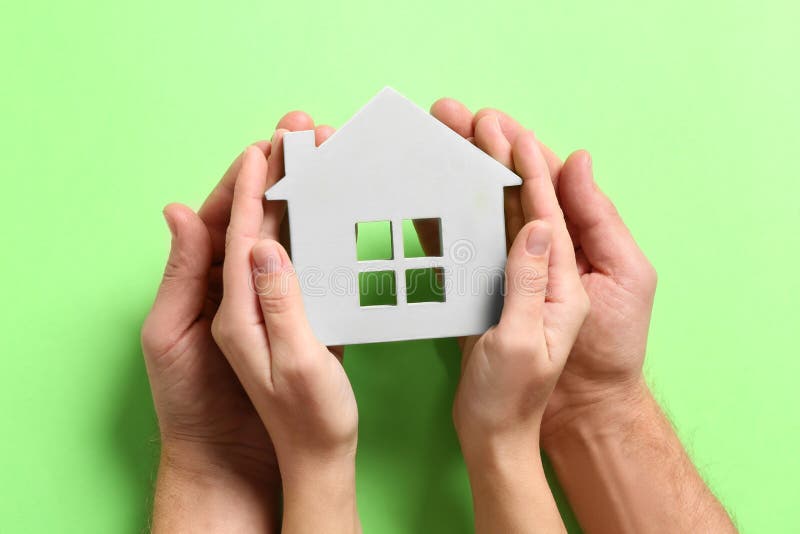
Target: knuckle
149	338
276	300
224	331
587	304
651	275
275	305
217	329
157	342
510	343
179	262
299	370
483	112
530	279
647	276
582	301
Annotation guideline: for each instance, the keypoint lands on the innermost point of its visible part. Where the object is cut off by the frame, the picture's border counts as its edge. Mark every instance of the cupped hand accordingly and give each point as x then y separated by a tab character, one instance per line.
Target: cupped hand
298	386
206	421
509	372
605	364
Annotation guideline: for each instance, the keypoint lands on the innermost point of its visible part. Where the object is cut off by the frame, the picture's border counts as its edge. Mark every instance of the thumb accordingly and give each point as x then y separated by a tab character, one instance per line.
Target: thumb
181	295
280	298
604	238
527	277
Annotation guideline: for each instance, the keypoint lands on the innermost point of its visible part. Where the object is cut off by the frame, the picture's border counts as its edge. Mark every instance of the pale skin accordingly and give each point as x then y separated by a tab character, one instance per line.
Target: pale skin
618	458
306	402
218	470
509	372
600	427
297	385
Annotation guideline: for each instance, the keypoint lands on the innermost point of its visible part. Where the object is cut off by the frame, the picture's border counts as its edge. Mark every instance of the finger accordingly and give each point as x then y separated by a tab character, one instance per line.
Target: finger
455	115
322	133
538	200
247	208
526	279
246	217
274	211
537	195
216	210
281	300
489	137
181	295
604	239
511	129
295	121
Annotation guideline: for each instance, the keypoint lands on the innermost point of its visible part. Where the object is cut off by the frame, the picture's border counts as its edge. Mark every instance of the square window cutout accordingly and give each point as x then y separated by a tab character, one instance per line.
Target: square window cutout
425	285
374	241
422	237
377	288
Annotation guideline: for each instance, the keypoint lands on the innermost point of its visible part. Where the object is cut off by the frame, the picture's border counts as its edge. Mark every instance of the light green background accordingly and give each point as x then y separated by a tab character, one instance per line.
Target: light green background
109	110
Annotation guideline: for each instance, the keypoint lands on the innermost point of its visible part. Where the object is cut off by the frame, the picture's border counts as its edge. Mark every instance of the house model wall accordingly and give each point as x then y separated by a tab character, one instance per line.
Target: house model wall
395	162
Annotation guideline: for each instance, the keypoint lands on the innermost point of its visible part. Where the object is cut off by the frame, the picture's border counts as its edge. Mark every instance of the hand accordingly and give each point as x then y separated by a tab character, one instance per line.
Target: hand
297	385
616	455
210	432
605	364
509	372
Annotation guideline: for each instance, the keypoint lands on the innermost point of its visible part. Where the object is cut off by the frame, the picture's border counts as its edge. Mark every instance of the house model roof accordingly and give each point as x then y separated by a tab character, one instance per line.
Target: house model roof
389	122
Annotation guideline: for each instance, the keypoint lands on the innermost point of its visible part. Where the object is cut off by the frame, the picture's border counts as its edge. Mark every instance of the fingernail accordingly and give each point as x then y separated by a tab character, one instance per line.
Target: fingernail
589	160
538	240
267	258
171	225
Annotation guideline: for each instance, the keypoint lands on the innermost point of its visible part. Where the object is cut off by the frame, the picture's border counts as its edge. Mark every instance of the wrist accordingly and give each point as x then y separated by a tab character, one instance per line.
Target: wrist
607	414
499	453
319	494
194	493
310	477
210	461
510	490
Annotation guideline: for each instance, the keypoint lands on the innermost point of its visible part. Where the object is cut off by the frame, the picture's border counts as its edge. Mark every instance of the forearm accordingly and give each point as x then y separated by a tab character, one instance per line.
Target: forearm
510	493
208	499
320	496
624	470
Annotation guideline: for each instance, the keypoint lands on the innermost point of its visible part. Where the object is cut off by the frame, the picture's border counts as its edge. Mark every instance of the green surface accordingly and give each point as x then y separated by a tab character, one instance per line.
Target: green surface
425	285
374	241
109	110
377	288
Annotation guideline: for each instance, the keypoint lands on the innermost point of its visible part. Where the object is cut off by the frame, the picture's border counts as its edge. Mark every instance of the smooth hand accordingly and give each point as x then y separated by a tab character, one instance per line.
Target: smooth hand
297	385
510	371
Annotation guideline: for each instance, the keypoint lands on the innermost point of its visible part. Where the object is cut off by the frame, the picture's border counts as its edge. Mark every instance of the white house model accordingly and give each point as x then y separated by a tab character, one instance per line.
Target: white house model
390	164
